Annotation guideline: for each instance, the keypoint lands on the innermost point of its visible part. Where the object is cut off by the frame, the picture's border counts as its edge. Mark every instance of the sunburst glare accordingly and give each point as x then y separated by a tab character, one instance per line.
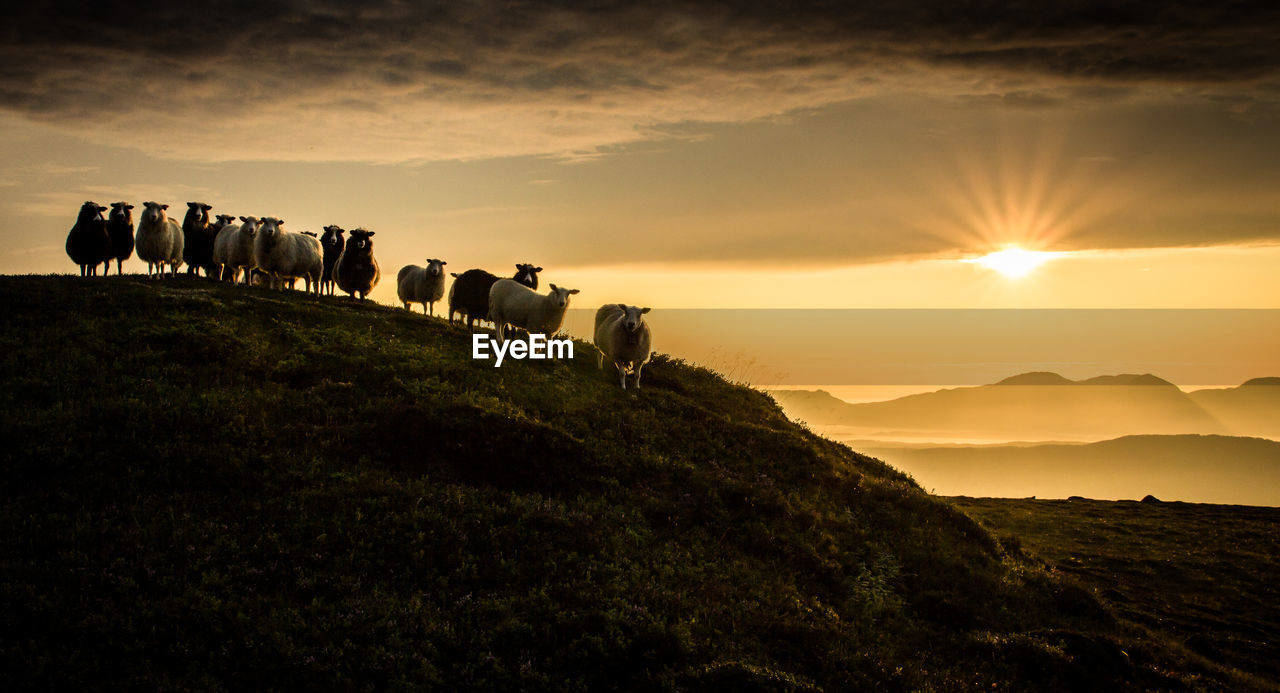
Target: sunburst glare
1014	262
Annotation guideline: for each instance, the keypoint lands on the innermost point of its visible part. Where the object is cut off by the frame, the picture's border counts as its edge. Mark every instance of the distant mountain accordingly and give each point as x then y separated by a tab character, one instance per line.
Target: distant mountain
1047	406
1202	469
1251	409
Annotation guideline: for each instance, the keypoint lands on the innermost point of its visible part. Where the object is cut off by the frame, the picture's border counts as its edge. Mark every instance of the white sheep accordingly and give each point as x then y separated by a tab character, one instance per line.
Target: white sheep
513	303
286	255
233	248
623	337
423	285
159	240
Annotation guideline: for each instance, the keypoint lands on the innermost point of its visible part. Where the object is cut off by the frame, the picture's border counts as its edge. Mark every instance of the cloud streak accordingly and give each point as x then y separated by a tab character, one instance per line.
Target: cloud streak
390	81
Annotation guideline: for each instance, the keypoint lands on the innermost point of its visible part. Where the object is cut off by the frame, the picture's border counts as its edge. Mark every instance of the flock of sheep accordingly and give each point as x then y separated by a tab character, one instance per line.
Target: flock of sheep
261	250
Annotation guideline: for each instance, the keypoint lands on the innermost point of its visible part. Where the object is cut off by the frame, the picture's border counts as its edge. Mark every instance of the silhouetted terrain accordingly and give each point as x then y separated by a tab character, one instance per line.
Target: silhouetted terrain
1047	406
1199	577
227	488
1201	469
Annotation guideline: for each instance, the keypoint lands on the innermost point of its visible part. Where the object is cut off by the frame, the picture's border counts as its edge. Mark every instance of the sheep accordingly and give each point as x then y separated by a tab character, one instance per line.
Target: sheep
623	337
88	243
286	255
513	303
233	249
198	237
159	240
223	220
332	241
120	229
423	285
356	270
527	274
469	293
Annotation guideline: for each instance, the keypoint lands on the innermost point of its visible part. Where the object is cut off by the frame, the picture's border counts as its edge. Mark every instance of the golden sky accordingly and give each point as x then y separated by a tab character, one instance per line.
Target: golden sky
682	155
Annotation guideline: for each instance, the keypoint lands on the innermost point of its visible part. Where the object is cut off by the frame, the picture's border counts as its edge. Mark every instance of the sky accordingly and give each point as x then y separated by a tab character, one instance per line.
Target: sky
682	154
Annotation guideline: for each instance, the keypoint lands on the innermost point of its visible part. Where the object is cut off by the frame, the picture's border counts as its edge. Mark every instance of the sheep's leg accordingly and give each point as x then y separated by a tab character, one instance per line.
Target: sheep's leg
638	369
600	360
622	374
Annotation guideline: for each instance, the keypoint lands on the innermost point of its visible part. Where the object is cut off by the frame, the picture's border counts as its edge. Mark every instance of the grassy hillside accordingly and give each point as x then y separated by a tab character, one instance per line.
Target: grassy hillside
227	488
1199	577
1201	469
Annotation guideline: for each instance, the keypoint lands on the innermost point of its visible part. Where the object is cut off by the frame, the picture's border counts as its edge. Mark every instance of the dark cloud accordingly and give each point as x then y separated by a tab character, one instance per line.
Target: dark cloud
584	74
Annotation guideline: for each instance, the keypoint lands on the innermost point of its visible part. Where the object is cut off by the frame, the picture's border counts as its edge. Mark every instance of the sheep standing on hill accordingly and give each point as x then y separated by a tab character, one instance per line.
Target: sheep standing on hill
120	229
286	255
622	336
159	240
423	285
513	303
88	243
356	270
233	249
469	293
197	238
332	242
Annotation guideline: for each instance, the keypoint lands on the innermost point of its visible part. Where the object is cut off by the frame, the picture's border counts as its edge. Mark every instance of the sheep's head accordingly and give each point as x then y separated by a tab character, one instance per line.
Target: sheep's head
249	227
361	241
224	219
90	211
332	236
153	212
561	295
270	228
122	211
435	267
527	274
198	212
632	317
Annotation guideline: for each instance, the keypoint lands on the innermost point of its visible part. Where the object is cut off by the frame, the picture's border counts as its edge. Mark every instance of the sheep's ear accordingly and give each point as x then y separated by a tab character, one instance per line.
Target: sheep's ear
519	267
279	222
453	274
243	219
553	287
102	209
623	307
573	291
537	269
128	206
164	206
644	310
442	263
206	207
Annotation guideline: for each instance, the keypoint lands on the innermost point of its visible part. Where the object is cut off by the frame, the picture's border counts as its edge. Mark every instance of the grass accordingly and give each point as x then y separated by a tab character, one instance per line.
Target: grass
1197	580
228	488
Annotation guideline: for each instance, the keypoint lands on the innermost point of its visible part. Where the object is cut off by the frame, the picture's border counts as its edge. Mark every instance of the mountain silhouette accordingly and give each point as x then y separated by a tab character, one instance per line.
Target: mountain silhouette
1048	406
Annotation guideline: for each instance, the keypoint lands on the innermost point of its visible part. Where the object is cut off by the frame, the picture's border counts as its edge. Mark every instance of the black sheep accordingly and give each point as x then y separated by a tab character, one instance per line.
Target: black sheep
120	229
469	294
88	244
332	243
198	236
357	270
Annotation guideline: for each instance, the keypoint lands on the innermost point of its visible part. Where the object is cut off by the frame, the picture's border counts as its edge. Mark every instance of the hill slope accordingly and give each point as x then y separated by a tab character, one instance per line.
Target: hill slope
227	488
1197	469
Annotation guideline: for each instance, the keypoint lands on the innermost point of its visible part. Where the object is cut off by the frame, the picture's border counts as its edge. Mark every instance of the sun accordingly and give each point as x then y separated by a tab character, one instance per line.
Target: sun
1013	262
